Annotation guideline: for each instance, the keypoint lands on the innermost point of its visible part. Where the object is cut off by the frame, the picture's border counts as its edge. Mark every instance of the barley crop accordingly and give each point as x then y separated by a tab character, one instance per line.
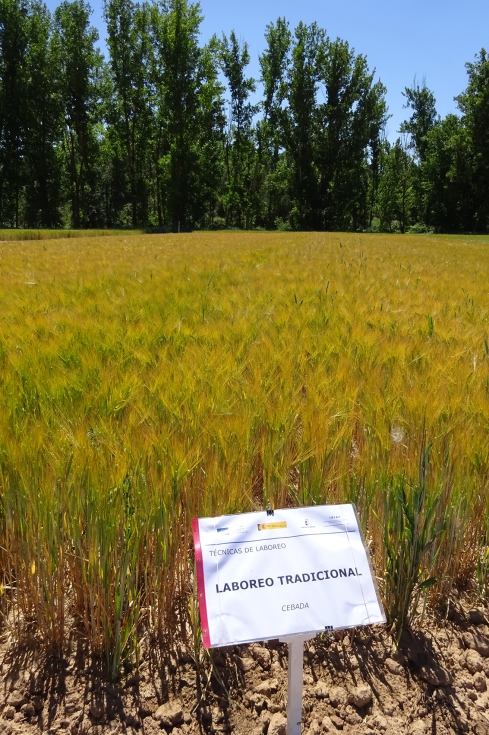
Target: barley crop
147	379
14	235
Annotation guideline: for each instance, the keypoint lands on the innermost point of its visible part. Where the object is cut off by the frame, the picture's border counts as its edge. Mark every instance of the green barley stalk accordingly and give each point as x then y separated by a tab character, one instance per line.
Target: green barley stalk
409	535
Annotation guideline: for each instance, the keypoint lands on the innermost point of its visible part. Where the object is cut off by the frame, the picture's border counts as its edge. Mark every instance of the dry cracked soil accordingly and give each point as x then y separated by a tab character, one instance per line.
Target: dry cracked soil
355	681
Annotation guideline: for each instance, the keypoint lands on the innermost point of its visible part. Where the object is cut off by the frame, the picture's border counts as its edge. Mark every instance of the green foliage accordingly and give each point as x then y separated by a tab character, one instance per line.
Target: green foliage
299	124
419	228
411	543
13	94
446	175
43	179
474	105
189	115
129	108
395	195
80	67
270	129
240	201
142	139
282	226
422	101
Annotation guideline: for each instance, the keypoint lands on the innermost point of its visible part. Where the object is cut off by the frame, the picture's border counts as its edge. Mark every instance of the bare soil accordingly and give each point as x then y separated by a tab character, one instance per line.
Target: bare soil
355	682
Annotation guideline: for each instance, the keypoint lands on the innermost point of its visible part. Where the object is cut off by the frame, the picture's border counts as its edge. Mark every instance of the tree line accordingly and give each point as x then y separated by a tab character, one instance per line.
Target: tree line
166	132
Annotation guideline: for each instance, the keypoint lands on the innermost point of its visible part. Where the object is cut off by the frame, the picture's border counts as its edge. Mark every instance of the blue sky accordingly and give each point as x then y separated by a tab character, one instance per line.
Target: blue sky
426	38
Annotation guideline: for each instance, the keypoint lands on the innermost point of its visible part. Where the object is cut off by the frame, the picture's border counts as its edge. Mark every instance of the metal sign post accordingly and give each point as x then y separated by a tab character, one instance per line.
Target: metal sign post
294	683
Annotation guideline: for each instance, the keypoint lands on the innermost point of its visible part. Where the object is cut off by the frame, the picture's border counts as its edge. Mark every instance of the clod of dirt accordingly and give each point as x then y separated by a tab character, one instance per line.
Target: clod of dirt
328	724
134	679
435	675
96	709
337	722
16	699
378	723
413	647
338	696
28	710
394	667
278	725
417	728
478	642
150	727
476	617
267	688
480	684
321	690
245	664
262	656
169	715
473	661
314	728
352	717
37	702
481	728
360	696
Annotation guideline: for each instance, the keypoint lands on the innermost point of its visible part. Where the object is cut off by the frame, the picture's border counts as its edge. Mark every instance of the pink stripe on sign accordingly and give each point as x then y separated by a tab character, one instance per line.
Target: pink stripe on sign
199	564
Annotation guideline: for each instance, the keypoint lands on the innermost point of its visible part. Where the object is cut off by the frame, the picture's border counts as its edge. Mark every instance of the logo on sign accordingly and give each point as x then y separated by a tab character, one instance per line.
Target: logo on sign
270	526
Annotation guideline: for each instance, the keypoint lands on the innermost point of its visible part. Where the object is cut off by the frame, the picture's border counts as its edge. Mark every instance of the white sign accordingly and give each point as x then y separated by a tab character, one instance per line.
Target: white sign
301	570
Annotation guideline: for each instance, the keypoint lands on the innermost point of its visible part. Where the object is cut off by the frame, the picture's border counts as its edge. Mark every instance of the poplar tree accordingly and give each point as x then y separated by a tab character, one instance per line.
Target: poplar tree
274	65
13	100
447	173
474	106
44	120
130	107
80	66
243	175
396	191
421	101
189	114
349	124
300	126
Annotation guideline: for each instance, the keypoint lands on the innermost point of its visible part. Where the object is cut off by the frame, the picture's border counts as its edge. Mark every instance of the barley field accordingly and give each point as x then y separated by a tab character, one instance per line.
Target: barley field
15	235
148	379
